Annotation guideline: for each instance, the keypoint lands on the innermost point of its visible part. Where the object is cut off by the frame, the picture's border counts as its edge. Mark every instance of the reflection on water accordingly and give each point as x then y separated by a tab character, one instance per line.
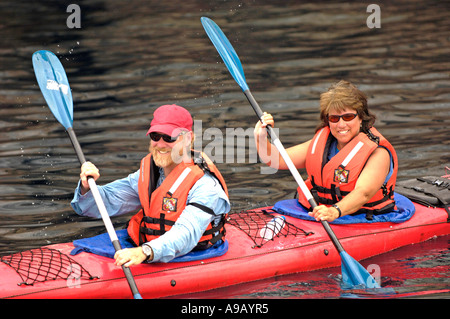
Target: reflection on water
130	57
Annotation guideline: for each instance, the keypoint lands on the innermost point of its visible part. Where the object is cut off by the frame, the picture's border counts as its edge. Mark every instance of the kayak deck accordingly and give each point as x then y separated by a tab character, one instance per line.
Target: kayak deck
245	261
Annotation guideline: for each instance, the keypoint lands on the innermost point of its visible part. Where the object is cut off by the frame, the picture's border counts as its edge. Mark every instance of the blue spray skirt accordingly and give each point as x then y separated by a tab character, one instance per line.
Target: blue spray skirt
101	245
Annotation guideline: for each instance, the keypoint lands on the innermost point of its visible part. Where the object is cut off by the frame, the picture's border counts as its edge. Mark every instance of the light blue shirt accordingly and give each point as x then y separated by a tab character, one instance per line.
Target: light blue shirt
122	196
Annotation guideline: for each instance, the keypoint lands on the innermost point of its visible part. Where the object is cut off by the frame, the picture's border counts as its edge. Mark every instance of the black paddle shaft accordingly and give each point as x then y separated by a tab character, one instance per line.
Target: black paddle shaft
76	145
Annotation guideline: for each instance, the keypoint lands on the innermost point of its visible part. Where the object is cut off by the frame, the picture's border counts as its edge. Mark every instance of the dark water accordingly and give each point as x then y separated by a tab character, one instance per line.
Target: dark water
129	57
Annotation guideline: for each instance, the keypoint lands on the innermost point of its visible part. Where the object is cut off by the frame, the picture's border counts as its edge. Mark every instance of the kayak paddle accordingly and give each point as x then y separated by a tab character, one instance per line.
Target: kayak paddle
52	80
353	274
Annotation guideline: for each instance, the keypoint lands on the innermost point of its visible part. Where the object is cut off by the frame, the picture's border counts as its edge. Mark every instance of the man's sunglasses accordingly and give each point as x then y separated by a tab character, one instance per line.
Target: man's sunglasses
166	138
346	117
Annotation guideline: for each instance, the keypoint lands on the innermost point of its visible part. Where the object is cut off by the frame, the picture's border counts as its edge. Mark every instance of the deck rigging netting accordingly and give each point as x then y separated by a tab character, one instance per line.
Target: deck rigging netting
43	264
252	222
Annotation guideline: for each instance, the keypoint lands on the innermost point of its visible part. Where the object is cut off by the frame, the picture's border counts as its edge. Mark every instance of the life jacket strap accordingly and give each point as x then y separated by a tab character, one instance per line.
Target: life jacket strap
204	208
162	222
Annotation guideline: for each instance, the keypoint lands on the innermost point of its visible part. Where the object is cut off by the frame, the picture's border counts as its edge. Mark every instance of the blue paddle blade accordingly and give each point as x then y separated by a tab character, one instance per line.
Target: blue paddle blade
226	51
52	80
355	276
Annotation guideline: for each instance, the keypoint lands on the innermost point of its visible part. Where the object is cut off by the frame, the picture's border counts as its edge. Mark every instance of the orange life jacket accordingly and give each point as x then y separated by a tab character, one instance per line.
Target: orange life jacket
331	181
162	206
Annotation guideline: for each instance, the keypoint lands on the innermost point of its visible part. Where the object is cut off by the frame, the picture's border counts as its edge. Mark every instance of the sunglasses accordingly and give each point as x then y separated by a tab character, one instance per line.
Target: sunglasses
346	117
166	138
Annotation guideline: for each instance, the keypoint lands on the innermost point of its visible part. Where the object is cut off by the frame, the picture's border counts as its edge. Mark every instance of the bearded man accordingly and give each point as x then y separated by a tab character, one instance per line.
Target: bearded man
181	196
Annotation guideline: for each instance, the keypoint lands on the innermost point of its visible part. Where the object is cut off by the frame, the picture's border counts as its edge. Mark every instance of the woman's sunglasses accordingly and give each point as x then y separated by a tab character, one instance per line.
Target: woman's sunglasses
346	117
166	138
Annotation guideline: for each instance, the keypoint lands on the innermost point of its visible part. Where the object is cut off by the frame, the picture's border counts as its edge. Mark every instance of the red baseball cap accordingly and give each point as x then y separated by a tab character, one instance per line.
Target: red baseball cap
171	120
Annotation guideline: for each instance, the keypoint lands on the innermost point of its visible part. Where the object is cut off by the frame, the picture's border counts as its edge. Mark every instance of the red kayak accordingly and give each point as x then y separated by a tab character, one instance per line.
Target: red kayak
52	272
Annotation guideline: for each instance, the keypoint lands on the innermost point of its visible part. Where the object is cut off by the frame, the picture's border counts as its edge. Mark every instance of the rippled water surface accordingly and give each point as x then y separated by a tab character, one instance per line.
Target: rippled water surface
129	57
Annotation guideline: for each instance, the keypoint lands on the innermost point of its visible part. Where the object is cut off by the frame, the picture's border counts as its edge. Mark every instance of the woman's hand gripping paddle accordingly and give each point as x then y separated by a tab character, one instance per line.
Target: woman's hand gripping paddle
52	80
353	274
